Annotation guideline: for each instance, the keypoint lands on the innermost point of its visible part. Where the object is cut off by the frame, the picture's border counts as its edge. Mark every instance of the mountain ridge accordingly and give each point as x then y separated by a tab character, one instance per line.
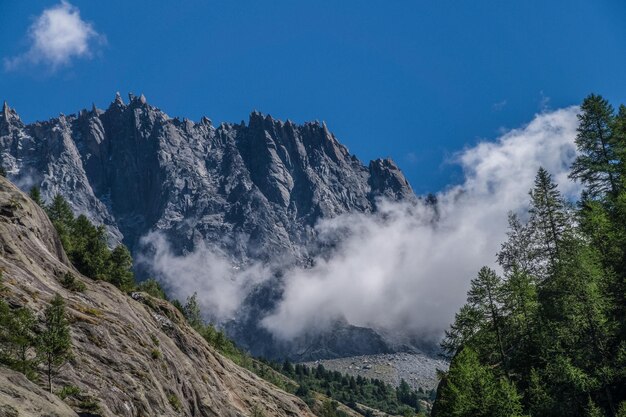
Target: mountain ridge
252	193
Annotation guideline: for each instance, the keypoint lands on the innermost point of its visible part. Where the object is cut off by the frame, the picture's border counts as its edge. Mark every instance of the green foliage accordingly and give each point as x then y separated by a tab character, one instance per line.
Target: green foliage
54	342
68	391
349	390
192	313
471	389
155	354
553	329
152	287
175	402
72	283
86	246
18	339
597	165
120	268
35	195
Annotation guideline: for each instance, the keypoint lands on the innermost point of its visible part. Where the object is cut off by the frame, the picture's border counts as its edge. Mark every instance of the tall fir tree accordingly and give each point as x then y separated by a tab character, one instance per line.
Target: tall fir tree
55	344
35	195
120	271
596	165
191	310
548	217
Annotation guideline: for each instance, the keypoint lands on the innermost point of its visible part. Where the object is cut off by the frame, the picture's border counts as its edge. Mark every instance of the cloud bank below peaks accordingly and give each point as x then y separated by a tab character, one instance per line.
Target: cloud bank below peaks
404	270
407	268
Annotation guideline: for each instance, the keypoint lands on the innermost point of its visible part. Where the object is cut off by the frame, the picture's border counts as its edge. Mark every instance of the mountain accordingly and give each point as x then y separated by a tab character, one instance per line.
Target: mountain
114	337
250	192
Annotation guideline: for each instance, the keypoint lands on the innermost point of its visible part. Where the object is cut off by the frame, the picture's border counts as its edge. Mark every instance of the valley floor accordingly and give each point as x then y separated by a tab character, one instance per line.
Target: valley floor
417	369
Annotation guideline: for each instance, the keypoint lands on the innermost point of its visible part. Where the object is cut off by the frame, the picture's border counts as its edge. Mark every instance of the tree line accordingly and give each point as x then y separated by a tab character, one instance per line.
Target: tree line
546	336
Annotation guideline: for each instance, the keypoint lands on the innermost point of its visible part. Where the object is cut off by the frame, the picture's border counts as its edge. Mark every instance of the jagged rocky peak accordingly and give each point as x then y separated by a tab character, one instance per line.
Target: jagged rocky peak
9	116
387	180
253	192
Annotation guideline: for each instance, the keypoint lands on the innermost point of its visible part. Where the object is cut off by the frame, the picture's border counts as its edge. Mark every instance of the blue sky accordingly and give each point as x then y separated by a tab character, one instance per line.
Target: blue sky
414	80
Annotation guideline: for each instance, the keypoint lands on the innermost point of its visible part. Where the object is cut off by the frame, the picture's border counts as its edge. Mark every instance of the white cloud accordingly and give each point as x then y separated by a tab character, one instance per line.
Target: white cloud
402	271
221	286
56	37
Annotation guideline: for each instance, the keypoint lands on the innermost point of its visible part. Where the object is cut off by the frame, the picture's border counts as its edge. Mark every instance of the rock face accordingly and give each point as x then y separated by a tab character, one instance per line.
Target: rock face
113	340
252	192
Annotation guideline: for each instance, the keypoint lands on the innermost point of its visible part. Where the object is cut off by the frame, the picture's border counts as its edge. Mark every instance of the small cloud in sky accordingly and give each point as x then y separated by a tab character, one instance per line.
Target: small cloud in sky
411	158
56	37
544	102
500	105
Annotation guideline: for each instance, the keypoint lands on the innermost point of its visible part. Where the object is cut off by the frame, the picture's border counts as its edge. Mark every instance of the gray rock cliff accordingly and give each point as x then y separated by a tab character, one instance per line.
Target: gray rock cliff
253	192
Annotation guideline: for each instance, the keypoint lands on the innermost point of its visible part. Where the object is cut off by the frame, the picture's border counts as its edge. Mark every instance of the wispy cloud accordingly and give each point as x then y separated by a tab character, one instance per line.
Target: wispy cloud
499	106
56	37
544	102
406	270
221	286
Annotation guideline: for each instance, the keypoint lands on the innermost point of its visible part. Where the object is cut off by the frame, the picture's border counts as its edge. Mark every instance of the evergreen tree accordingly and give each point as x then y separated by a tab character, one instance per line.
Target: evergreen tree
23	339
61	216
88	249
120	265
35	195
485	296
548	217
596	165
54	341
152	287
470	389
467	322
17	338
191	310
60	211
520	251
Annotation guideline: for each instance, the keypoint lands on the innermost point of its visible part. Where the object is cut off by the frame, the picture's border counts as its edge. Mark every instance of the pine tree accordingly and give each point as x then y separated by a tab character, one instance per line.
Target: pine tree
548	217
17	338
54	341
61	216
597	163
470	389
23	339
152	287
485	296
120	268
88	248
467	322
520	251
35	195
191	310
59	211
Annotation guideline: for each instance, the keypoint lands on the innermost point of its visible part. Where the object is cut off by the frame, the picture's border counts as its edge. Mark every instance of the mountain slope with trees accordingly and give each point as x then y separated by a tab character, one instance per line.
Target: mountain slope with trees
101	350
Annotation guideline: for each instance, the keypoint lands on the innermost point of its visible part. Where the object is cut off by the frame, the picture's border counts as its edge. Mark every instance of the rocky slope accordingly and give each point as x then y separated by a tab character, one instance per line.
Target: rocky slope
249	192
417	369
113	338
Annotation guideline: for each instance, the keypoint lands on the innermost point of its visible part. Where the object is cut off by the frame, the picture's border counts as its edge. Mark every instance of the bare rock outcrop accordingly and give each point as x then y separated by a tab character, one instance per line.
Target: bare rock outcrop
132	356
